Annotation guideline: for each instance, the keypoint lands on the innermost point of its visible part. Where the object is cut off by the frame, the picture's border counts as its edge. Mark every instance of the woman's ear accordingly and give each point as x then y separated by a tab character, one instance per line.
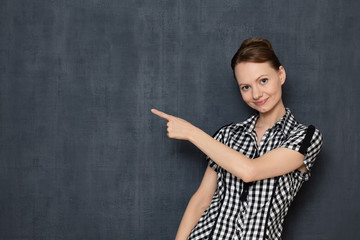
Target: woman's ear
282	74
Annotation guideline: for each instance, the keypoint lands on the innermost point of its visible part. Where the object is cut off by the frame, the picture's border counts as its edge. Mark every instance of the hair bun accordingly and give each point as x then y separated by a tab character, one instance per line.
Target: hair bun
257	41
256	50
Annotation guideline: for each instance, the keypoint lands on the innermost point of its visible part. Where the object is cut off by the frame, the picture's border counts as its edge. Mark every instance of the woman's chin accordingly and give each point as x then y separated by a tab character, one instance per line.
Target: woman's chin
260	109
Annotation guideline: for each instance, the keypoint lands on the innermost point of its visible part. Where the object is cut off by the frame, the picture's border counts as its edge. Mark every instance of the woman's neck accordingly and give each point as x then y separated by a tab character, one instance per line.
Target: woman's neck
268	119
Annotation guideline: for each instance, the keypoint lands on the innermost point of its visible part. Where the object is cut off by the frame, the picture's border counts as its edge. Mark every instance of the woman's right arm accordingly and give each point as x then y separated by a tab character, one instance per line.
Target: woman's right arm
198	203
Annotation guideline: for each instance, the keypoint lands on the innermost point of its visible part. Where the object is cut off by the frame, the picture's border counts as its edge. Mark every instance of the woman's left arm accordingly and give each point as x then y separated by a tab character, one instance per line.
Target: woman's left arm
274	163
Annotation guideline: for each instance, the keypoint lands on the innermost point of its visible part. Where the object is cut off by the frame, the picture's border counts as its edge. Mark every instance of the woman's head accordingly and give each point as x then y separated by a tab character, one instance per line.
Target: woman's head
256	50
259	75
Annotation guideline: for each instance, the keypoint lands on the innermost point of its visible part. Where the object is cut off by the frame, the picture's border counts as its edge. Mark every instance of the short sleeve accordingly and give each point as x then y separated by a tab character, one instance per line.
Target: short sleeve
307	141
219	136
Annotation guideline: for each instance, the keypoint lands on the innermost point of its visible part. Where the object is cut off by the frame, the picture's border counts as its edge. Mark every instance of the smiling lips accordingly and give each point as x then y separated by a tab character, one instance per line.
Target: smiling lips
259	103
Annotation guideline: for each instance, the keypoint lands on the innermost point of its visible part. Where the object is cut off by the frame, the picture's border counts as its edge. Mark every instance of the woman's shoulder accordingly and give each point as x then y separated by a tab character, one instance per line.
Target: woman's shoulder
236	126
294	128
224	128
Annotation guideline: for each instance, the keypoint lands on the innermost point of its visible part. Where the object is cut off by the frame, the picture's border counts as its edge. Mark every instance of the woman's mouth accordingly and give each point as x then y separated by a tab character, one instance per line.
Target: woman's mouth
262	102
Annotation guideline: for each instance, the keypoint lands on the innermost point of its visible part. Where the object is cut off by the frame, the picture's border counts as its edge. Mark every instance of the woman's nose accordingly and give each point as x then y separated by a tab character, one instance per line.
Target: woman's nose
256	93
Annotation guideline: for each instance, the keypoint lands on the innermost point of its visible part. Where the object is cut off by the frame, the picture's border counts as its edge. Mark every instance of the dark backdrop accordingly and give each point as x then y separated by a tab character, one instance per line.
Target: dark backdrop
81	155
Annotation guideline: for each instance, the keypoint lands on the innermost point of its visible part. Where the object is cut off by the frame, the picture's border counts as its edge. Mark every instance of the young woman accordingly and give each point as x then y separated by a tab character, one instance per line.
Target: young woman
255	167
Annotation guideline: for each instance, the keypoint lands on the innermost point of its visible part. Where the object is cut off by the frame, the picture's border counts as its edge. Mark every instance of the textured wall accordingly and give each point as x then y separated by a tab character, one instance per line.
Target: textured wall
82	157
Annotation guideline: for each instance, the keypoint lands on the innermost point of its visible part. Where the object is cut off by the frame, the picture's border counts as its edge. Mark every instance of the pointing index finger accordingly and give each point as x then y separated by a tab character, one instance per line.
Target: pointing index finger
161	114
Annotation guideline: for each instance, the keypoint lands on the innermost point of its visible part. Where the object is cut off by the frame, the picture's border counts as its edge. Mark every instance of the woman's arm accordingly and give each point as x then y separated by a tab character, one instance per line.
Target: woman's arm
274	163
199	202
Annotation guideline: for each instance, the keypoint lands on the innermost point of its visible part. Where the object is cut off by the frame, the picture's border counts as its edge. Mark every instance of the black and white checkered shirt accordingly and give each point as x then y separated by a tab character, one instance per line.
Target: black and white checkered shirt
256	210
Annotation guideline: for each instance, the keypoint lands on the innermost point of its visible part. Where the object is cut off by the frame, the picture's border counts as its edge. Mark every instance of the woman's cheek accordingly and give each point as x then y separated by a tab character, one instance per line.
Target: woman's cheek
245	96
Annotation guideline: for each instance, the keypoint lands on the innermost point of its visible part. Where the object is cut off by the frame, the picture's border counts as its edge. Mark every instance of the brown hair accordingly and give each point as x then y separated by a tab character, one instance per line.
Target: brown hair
256	50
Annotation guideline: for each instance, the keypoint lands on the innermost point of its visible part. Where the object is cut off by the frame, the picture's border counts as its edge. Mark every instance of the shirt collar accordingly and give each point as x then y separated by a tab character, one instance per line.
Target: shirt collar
283	124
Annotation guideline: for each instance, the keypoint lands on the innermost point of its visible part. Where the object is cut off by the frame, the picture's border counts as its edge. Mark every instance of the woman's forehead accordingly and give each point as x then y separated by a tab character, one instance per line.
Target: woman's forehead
249	71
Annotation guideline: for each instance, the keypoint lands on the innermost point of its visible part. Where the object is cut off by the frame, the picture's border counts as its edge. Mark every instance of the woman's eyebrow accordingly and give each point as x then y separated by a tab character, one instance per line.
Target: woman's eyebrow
262	75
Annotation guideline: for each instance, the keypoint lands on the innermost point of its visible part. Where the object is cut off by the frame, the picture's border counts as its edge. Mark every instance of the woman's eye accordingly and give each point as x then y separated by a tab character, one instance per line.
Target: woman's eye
244	88
264	80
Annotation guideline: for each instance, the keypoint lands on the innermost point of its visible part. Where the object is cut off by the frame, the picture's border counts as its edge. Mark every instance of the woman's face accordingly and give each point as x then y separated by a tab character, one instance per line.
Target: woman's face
260	85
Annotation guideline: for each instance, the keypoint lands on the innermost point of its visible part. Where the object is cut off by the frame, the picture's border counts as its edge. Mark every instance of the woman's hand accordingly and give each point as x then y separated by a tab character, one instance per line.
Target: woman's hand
177	128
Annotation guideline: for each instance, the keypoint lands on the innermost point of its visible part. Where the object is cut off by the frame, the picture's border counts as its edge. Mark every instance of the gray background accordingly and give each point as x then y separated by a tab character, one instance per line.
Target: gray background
81	155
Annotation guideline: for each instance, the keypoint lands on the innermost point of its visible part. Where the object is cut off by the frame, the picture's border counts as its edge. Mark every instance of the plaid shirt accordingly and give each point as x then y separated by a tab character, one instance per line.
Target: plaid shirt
256	210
